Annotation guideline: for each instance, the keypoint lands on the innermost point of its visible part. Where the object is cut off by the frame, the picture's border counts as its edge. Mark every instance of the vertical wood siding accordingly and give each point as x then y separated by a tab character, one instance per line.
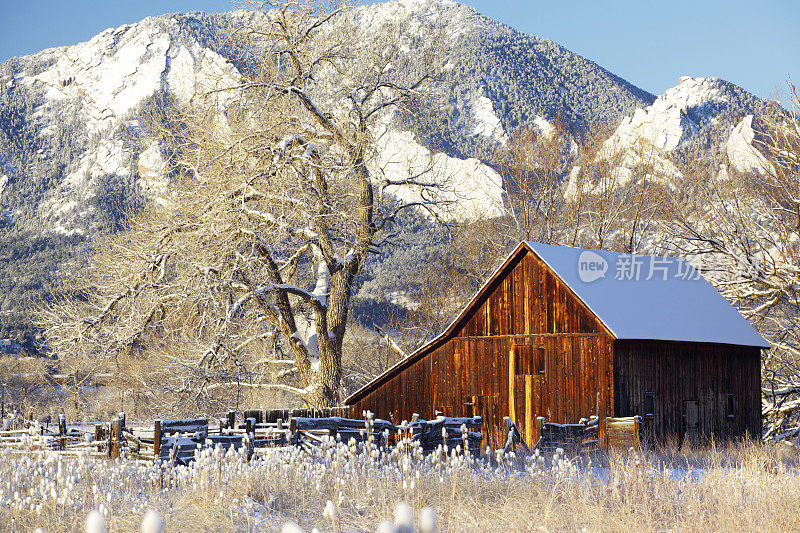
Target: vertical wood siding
676	373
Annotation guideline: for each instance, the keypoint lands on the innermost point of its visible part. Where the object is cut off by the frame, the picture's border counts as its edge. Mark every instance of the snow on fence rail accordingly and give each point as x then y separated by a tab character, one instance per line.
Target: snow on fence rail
176	441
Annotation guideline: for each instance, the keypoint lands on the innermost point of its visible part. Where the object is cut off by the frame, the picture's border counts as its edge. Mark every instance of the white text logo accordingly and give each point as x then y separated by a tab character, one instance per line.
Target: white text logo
591	266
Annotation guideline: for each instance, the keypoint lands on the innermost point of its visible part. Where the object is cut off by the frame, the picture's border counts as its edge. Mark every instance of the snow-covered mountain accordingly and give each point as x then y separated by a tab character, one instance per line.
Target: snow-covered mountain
73	157
697	115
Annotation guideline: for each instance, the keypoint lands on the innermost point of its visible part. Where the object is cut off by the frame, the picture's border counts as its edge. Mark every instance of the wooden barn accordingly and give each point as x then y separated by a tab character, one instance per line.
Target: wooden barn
567	333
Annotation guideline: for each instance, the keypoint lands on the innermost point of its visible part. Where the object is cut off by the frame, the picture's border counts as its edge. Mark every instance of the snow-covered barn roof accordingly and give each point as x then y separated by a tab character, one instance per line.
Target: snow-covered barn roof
649	297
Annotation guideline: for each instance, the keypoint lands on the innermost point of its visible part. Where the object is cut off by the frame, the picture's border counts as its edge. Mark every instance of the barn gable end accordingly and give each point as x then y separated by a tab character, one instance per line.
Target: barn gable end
485	363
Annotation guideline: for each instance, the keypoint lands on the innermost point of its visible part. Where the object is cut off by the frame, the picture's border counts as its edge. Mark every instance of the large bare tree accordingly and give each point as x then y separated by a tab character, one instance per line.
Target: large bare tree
243	277
533	164
578	189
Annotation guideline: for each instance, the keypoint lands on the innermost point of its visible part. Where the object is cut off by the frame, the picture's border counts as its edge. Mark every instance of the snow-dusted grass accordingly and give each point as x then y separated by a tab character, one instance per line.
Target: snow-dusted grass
740	487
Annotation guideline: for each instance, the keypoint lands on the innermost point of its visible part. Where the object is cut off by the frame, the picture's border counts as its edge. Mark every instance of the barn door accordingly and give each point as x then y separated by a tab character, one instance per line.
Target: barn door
691	419
526	381
488	408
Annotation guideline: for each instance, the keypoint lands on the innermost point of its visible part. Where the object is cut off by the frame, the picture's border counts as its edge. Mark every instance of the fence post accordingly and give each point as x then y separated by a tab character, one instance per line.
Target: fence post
117	437
62	432
601	434
539	424
113	439
250	436
637	425
110	438
157	441
231	419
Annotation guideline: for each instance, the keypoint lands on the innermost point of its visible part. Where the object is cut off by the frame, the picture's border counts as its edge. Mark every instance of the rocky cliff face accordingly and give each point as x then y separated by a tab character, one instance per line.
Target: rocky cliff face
73	156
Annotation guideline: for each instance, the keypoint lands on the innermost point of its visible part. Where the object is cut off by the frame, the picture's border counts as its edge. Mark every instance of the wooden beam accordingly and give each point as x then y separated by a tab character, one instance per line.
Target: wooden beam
157	441
511	374
62	432
528	409
532	336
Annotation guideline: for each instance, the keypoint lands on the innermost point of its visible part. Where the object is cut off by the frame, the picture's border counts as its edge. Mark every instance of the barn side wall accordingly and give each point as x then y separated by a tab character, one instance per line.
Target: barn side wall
469	374
690	384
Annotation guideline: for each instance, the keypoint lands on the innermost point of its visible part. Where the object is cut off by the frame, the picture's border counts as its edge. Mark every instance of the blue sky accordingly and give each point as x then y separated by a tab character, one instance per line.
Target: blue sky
755	43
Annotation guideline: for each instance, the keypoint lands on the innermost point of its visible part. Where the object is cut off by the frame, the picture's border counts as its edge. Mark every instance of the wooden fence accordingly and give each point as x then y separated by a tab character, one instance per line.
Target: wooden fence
175	441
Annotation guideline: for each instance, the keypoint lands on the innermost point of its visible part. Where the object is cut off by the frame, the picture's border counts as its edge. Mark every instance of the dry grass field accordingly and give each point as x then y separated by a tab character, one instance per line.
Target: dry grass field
739	487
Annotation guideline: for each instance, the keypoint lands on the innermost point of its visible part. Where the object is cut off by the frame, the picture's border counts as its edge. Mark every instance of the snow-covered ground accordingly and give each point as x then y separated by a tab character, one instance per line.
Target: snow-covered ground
486	122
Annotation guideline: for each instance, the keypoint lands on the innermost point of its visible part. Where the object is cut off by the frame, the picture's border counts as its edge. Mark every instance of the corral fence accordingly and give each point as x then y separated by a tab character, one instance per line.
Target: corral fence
175	441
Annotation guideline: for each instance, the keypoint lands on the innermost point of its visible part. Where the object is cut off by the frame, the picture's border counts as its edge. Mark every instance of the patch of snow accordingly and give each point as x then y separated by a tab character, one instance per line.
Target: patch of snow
487	123
472	189
401	299
199	71
151	168
180	78
574	189
108	158
66	207
455	19
60	228
117	69
741	153
644	139
50	129
665	124
347	259
543	125
323	286
306	334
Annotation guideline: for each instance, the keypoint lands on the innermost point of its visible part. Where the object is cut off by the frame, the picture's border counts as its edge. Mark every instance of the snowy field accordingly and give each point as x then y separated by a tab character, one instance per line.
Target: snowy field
366	488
